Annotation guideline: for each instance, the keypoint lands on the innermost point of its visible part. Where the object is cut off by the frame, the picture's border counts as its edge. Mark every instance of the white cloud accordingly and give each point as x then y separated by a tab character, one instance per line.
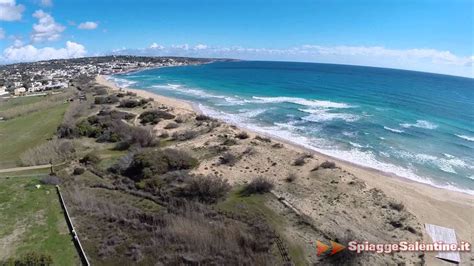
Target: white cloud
88	25
47	29
2	33
200	47
46	3
10	11
156	46
29	53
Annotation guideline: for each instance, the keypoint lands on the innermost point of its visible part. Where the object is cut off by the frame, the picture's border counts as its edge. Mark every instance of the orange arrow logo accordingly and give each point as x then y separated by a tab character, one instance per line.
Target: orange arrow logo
336	247
323	248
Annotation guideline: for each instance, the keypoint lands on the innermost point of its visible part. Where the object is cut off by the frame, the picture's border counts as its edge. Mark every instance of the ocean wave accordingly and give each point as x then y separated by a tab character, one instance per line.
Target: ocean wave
393	129
250	113
299	101
363	158
420	124
447	165
226	100
464	137
125	83
323	115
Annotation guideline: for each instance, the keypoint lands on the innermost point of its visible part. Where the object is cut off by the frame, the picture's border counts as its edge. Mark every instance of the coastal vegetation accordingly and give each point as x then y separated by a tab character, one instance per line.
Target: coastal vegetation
146	183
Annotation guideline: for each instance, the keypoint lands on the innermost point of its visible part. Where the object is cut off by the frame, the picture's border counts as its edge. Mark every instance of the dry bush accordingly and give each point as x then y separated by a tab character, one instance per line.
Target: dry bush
263	139
206	189
110	99
145	137
229	142
301	160
291	177
56	151
184	135
325	165
258	185
90	159
277	146
78	171
182	234
398	206
202	117
171	125
228	158
249	151
192	237
242	135
132	103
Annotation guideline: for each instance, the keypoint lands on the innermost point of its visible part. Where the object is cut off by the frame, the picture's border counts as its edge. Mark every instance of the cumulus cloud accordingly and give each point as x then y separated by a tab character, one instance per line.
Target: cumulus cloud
200	47
46	29
10	11
2	33
156	46
88	25
29	53
423	59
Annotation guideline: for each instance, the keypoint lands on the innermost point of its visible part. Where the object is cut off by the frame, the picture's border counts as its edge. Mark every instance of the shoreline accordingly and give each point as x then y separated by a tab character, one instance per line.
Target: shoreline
430	204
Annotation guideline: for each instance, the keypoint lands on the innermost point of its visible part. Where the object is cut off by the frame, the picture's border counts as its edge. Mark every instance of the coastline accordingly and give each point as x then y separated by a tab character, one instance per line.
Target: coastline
428	203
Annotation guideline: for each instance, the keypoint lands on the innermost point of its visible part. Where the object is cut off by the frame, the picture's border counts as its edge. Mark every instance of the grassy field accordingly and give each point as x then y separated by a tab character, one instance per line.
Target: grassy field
32	220
24	132
14	102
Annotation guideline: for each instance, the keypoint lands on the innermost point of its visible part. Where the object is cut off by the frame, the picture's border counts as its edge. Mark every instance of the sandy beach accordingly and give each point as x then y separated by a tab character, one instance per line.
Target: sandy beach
428	204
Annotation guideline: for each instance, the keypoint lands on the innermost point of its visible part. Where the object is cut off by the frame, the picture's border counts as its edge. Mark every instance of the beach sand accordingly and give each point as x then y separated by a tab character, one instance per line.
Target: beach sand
313	188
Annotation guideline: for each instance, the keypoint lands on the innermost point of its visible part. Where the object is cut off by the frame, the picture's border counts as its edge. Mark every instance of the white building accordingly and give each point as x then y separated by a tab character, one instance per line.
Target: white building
19	91
3	90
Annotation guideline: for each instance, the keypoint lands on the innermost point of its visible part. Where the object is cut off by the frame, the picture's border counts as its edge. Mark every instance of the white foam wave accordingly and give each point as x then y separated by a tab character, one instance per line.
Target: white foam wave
125	83
420	124
226	100
464	137
357	145
362	158
248	113
393	129
299	101
322	115
447	165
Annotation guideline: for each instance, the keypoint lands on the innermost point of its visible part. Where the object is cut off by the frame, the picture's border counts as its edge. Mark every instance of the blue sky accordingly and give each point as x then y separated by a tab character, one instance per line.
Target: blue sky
434	36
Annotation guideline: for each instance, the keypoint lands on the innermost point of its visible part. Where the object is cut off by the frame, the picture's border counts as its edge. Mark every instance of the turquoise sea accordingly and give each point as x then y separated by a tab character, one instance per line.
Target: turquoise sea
416	125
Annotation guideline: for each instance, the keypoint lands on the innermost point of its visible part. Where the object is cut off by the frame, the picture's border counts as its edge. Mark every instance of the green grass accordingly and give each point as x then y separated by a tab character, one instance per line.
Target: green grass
255	205
32	220
14	102
19	134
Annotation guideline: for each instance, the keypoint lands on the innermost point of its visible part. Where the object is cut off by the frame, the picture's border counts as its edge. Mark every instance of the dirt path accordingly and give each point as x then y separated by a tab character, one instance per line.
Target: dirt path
18	169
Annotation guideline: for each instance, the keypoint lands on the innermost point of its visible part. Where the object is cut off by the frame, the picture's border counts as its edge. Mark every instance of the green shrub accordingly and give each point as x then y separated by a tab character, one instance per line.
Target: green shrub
90	158
206	189
31	259
78	171
129	103
154	116
258	185
148	163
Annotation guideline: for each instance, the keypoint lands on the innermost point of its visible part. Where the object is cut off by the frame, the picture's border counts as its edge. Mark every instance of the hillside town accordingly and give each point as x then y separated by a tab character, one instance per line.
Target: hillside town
32	78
